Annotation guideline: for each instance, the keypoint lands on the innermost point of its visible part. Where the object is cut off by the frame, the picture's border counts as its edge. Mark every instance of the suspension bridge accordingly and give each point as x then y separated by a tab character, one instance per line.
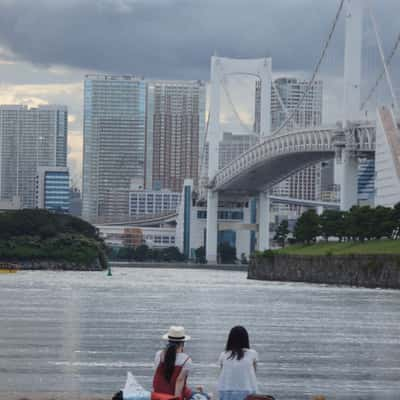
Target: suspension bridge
279	154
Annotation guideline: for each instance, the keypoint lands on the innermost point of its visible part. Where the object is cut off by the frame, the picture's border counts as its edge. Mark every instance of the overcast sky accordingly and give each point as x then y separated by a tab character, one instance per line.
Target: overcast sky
46	46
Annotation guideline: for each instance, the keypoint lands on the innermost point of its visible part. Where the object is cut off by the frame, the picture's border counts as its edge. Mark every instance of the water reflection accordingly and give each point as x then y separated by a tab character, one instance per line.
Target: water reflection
80	332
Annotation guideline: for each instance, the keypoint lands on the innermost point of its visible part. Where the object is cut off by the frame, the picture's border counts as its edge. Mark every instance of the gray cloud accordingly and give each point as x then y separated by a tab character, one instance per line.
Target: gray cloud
174	38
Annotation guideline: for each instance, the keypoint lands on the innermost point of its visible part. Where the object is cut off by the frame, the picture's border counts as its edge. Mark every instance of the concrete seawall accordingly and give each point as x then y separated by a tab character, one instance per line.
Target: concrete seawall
379	271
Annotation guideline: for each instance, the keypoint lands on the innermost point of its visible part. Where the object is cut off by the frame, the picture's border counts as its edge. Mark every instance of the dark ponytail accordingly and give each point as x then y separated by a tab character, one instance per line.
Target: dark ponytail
169	359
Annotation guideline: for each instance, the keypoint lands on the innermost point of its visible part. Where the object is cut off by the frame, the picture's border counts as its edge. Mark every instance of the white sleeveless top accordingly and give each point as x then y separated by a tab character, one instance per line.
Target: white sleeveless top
238	374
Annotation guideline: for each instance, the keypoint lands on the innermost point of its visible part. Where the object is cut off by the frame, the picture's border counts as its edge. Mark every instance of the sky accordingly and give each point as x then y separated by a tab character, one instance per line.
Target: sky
47	46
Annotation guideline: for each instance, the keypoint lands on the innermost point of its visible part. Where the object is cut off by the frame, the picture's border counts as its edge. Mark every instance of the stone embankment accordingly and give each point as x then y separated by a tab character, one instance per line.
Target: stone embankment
53	265
380	271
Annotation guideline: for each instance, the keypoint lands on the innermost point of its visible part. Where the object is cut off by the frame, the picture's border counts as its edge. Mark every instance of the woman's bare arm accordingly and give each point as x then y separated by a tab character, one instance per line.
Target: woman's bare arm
180	383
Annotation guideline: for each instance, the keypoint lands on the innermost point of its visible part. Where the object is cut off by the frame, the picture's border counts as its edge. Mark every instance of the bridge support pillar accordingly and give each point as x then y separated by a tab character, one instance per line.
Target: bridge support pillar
263	222
212	227
349	181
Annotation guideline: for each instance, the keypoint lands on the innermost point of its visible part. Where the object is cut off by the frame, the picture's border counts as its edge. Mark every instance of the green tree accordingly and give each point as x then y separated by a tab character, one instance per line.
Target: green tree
200	254
172	254
29	222
227	253
383	223
243	259
359	223
142	252
126	253
306	229
282	233
332	224
396	220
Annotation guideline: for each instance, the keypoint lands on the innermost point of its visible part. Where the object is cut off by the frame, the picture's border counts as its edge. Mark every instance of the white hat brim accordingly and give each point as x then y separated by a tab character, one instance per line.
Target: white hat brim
185	338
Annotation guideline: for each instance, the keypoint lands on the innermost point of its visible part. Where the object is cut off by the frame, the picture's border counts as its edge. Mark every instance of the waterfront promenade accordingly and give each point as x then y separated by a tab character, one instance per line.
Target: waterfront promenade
71	335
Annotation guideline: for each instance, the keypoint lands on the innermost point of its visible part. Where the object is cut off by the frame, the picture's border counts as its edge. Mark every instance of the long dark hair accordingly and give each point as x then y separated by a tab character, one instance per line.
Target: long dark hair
238	340
170	358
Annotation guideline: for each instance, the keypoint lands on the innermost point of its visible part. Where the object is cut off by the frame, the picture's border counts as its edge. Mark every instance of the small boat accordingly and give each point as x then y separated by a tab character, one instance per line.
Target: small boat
8	268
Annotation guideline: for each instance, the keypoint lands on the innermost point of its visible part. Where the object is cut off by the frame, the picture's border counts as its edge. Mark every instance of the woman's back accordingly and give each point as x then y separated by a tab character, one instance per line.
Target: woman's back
238	374
160	383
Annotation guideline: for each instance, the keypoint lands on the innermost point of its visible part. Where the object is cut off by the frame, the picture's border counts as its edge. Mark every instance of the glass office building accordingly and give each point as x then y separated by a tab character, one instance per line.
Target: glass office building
52	189
114	142
366	182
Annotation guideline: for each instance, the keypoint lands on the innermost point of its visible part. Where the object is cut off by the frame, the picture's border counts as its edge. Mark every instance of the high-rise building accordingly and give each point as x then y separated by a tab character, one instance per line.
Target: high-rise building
286	95
75	202
174	133
232	146
291	91
114	143
142	202
30	138
52	189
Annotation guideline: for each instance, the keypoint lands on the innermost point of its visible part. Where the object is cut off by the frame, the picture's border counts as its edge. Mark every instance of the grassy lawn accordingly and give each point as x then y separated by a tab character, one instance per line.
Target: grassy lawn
323	248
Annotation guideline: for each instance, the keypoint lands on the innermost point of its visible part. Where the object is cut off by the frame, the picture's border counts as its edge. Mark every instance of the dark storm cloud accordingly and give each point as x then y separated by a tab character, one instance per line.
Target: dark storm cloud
173	38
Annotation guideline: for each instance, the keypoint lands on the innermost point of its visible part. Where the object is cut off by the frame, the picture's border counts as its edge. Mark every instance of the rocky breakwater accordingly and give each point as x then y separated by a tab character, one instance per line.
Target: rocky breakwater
372	271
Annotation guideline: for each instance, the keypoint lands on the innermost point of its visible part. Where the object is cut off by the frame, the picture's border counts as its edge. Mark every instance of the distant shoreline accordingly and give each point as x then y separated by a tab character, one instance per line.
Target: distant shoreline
178	265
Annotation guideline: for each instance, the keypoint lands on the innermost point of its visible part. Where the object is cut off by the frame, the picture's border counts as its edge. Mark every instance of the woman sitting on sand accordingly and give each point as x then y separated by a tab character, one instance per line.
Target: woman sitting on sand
173	365
238	363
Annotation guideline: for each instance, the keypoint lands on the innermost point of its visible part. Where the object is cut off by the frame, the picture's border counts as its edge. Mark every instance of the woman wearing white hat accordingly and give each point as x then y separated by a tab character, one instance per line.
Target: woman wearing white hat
173	365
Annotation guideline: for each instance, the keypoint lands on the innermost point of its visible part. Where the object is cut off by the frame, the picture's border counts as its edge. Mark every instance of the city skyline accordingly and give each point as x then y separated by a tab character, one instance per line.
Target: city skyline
39	67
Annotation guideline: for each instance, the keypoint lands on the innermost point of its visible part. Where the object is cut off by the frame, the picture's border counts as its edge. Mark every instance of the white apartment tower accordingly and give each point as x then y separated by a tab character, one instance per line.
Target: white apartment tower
30	138
114	143
174	132
305	184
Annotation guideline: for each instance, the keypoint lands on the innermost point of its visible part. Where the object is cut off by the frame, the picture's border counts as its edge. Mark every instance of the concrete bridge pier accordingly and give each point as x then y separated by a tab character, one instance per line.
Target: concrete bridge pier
212	227
349	181
263	216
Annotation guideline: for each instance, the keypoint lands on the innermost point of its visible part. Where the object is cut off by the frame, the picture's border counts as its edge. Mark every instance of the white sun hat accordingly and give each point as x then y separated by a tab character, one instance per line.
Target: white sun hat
176	334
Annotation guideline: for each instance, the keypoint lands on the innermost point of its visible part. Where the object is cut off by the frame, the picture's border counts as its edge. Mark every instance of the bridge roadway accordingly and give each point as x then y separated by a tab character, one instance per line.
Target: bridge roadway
277	157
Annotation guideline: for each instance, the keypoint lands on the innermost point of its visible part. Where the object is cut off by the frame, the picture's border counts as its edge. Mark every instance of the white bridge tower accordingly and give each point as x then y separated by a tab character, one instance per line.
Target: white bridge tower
348	170
221	68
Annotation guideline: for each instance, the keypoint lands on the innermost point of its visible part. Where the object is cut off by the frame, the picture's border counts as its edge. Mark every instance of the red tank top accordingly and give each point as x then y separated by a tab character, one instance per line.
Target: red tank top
161	385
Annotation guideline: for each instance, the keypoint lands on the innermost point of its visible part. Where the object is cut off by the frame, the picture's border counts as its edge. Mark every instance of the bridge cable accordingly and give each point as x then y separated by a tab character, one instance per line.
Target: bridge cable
385	69
203	150
234	109
315	72
382	55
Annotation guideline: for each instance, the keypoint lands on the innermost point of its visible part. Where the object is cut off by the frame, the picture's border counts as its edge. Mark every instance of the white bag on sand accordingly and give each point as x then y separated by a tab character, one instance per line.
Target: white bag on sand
133	390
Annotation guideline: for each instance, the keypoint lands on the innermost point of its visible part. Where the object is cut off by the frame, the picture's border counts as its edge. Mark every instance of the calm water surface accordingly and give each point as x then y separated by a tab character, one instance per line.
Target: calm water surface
80	332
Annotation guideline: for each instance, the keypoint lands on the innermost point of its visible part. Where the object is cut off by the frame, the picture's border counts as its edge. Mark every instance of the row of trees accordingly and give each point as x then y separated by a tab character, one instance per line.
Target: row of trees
145	253
226	254
359	224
